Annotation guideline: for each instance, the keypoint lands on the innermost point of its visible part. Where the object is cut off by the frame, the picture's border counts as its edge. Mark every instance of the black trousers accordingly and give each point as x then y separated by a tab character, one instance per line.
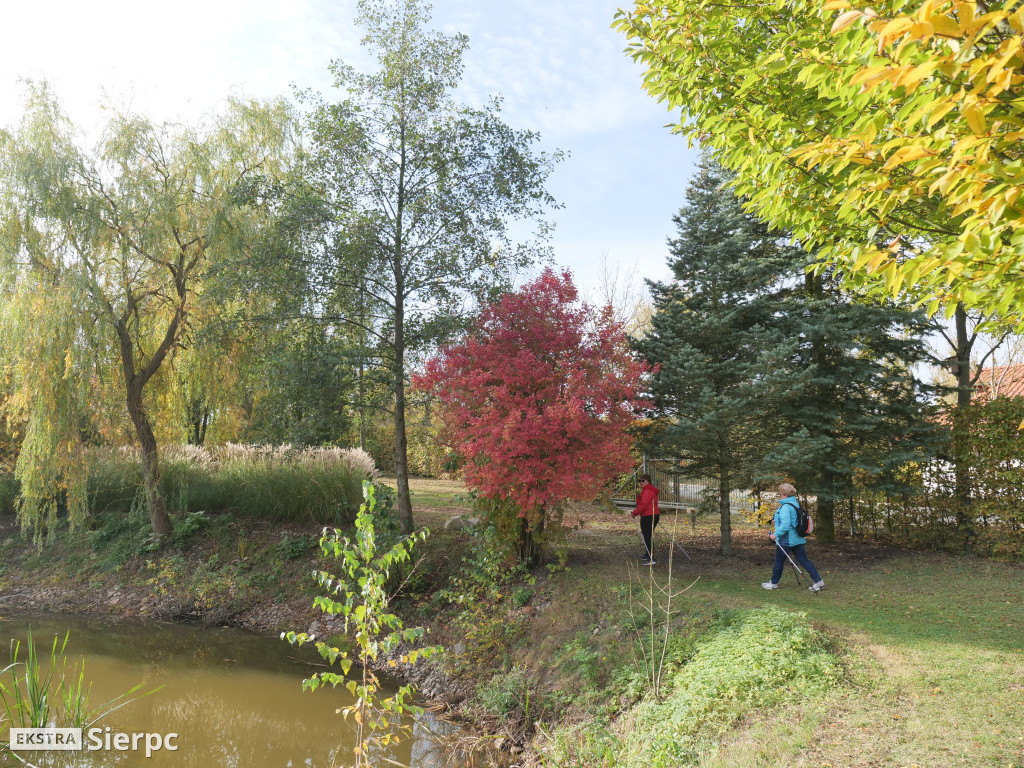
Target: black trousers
647	525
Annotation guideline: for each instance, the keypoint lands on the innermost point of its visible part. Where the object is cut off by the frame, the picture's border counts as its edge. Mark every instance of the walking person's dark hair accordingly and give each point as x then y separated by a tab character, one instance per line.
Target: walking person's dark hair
645	478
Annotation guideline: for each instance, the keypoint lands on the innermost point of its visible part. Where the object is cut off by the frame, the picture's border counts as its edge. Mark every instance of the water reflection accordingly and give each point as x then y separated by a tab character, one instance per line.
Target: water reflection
234	698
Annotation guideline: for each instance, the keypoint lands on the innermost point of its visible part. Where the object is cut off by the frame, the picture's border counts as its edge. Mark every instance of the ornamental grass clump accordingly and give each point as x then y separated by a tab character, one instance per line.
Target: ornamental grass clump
278	483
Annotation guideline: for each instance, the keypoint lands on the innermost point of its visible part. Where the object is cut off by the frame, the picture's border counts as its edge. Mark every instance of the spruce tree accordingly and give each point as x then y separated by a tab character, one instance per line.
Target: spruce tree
856	406
766	371
711	335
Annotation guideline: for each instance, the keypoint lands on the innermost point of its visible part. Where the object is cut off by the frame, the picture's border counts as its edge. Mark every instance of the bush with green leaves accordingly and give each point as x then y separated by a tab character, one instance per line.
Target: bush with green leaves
360	595
487	574
506	693
293	547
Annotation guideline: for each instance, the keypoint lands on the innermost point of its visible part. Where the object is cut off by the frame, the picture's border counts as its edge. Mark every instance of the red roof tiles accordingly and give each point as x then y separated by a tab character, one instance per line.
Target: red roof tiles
1000	381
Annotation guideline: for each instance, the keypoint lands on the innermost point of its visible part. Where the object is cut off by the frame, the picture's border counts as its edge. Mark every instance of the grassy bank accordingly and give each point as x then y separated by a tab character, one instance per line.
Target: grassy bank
906	659
923	665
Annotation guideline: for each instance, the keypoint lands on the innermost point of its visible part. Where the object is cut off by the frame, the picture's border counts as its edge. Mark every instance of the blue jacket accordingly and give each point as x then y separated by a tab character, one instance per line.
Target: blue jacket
785	523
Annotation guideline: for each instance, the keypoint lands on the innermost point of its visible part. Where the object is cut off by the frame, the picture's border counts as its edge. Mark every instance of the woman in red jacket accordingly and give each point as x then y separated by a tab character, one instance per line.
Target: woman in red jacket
648	512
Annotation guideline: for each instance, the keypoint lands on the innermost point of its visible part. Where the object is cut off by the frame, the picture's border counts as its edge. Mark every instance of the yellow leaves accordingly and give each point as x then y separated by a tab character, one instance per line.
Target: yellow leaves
1016	21
905	155
1007	50
975	118
983	23
972	242
926	9
944	26
891	30
845	20
940	111
872	76
913	75
921	30
966	13
872	259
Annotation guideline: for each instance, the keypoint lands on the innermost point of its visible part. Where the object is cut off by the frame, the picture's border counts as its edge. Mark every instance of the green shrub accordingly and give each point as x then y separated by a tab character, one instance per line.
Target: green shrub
293	547
505	693
191	524
757	660
8	494
522	596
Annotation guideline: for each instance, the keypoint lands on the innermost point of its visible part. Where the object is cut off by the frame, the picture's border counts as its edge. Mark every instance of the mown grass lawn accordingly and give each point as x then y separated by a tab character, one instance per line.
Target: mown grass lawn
935	642
938	644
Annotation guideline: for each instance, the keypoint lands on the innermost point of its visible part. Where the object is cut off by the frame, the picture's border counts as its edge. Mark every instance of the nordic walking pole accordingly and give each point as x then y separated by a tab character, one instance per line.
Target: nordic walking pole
791	562
650	555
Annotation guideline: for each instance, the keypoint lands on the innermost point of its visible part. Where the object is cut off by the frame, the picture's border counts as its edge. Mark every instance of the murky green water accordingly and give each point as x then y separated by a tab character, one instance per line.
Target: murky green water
235	699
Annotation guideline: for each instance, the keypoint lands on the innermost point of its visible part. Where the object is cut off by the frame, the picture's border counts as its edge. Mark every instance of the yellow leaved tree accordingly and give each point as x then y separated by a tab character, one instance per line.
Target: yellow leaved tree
885	134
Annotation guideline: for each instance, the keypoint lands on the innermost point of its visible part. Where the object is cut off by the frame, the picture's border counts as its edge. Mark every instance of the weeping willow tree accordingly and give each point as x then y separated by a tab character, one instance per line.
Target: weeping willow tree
104	255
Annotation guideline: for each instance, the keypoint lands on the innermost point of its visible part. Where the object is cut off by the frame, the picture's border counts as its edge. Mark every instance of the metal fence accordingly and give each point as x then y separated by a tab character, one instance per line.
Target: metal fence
676	491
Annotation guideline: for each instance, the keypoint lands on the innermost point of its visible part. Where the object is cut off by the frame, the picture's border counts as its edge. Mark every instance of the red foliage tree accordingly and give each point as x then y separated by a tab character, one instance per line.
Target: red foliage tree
537	400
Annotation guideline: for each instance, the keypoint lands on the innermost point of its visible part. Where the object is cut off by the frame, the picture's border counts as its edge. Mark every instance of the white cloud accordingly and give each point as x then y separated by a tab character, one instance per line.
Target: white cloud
170	61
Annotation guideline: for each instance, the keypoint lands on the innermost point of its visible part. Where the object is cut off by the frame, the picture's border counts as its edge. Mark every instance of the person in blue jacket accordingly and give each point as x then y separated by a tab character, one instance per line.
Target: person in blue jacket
786	536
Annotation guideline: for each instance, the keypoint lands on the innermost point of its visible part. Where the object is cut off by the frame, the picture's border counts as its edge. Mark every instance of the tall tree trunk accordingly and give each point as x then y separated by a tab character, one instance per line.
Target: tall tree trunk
134	382
725	511
405	520
961	428
429	468
150	462
852	505
361	395
825	524
361	390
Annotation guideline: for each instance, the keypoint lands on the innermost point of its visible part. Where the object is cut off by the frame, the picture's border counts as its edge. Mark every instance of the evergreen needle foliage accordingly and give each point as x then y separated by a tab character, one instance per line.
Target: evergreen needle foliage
766	371
714	340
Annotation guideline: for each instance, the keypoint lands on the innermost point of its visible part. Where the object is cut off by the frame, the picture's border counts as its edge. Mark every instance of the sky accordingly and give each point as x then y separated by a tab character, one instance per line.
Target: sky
559	67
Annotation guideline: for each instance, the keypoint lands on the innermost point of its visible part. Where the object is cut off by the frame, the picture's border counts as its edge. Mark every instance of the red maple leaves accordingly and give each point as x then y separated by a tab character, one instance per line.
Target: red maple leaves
538	397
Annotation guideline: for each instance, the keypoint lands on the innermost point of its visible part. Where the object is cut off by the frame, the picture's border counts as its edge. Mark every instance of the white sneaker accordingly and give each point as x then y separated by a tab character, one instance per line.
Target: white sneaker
770	585
817	586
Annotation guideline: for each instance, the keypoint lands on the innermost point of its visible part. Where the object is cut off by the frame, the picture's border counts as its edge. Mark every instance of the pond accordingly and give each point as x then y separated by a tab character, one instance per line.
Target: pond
234	698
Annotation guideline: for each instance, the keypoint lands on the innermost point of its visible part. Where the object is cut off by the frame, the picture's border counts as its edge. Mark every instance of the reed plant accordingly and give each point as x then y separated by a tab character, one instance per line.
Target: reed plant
40	692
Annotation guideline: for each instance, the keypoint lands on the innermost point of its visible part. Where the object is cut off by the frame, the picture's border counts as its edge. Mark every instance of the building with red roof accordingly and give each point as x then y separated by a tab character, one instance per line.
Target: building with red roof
1000	381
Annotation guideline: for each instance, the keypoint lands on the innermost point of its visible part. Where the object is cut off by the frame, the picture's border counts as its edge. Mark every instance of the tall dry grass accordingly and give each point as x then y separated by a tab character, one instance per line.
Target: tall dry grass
280	483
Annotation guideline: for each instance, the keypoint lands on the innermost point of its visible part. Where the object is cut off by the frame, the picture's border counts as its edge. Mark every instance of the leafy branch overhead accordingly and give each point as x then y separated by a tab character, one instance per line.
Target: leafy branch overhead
887	134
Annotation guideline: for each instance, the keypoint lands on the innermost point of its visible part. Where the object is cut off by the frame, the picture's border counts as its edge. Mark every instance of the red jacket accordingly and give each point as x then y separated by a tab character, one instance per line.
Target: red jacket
647	502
